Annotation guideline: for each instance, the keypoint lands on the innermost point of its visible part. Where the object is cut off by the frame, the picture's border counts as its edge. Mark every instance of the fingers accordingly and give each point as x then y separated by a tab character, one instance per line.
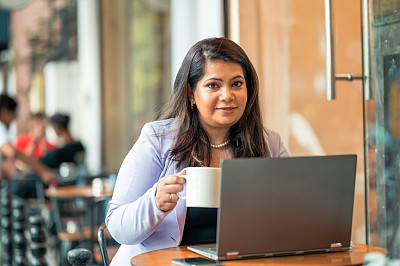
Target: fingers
173	181
183	172
173	198
167	189
166	201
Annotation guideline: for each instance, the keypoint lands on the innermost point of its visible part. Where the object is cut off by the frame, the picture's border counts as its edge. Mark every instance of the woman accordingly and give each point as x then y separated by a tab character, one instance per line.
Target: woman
69	150
213	114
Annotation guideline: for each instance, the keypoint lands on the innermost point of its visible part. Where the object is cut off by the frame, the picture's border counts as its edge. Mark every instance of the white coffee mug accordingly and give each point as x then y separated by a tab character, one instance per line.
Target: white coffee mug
202	187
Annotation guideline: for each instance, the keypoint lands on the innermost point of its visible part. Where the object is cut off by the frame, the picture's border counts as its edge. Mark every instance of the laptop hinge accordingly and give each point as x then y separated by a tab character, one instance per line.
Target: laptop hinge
231	255
336	246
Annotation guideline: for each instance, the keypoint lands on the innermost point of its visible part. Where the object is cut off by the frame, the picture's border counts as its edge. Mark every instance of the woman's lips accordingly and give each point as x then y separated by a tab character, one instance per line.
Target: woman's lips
226	110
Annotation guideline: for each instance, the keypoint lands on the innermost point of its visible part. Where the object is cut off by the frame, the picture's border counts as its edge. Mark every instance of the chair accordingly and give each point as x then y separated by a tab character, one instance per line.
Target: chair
77	215
102	244
71	228
102	237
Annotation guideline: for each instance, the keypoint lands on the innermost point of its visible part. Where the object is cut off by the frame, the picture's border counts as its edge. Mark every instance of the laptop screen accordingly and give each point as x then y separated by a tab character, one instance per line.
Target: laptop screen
291	204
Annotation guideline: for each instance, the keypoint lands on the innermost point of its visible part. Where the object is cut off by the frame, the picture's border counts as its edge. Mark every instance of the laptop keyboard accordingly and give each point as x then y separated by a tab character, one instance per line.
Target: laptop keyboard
212	249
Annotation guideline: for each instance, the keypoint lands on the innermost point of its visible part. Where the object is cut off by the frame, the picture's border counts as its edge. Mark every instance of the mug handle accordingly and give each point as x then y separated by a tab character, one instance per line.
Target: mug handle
181	196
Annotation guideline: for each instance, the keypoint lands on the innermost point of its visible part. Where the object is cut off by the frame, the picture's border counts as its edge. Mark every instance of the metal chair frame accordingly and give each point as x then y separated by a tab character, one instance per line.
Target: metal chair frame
102	243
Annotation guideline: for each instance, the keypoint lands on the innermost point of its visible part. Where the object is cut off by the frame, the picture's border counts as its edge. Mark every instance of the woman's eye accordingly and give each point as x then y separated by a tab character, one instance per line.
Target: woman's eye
237	84
212	85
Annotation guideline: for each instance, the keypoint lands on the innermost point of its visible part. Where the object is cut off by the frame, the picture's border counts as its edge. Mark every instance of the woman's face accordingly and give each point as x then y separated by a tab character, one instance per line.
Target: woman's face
221	94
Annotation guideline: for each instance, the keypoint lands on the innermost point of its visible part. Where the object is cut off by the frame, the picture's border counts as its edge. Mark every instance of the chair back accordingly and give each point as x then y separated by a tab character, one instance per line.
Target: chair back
102	243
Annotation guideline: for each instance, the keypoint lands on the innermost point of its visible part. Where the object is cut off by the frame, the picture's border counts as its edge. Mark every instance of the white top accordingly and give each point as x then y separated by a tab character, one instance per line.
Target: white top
3	135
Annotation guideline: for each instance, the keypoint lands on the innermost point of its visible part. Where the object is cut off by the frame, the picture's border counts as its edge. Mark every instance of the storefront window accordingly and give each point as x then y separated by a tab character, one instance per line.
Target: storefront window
383	126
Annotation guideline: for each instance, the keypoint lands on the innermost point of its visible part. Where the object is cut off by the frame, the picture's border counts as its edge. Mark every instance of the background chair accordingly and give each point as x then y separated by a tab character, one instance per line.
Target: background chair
104	237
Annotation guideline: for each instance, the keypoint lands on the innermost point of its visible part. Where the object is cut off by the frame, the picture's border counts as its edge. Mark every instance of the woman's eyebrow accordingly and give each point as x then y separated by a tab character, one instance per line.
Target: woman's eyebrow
212	79
238	76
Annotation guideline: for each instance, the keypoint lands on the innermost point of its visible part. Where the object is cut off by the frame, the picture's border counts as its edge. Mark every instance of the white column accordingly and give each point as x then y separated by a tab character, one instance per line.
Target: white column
89	96
234	21
73	87
192	21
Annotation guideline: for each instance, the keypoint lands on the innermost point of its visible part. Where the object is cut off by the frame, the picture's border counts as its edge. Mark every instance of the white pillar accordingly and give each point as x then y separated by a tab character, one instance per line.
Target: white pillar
234	21
89	95
192	21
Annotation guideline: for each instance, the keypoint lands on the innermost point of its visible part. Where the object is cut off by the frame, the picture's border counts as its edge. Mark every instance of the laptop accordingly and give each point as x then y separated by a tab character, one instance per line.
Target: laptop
283	206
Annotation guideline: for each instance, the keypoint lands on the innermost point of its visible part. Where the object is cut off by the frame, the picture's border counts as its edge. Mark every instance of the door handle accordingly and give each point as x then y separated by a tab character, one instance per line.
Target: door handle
330	72
367	85
329	52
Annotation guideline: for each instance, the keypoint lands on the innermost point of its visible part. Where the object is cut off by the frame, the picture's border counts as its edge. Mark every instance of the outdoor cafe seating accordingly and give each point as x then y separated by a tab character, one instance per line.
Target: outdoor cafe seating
73	211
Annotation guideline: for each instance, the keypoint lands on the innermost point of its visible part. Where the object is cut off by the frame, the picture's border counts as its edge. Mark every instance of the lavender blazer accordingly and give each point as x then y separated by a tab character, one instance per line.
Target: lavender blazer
133	218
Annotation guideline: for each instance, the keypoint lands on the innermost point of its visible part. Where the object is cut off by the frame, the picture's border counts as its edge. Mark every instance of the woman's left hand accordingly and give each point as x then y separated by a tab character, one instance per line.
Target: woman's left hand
167	189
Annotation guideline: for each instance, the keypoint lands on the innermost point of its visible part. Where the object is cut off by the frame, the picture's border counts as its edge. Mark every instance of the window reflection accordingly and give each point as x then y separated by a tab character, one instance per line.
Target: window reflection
383	128
391	154
149	64
136	70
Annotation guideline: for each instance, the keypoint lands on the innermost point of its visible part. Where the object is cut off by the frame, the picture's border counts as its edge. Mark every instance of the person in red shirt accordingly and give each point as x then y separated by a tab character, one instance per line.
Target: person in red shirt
35	142
8	152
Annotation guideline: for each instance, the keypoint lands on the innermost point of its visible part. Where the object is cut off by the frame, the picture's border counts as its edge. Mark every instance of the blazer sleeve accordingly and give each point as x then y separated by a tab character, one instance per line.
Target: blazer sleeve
133	214
275	145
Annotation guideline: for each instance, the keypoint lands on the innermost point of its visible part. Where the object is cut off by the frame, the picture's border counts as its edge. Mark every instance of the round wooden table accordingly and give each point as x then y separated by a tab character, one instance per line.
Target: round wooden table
66	192
73	192
351	257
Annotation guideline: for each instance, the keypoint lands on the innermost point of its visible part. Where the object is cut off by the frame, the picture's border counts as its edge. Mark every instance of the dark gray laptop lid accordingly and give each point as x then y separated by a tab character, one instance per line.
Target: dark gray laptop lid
273	205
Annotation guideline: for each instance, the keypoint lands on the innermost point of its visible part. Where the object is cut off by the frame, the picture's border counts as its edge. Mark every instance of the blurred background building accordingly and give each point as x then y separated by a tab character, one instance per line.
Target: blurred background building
111	65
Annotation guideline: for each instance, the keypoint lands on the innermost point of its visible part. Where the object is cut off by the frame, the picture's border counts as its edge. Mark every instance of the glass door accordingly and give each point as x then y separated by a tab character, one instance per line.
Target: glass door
318	122
286	42
382	118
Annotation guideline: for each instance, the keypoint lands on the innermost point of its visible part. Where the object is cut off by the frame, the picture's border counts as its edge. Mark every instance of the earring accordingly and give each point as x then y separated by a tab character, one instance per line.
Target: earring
191	103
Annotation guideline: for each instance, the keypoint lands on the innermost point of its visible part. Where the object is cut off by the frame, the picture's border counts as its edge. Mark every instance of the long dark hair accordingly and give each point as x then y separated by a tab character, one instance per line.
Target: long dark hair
246	135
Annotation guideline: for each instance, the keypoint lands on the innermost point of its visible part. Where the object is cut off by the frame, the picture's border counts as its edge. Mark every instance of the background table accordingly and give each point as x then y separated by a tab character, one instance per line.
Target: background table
350	257
73	192
67	192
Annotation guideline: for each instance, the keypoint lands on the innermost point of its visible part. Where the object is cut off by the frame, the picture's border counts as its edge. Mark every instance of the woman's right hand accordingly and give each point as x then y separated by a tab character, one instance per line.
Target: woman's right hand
167	189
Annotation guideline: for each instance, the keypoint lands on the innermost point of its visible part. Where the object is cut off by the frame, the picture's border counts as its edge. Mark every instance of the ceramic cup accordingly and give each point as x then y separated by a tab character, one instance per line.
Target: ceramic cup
202	187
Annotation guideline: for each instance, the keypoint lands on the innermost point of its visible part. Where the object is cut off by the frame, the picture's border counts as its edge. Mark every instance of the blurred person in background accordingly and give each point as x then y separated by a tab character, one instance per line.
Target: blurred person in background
8	112
35	142
69	149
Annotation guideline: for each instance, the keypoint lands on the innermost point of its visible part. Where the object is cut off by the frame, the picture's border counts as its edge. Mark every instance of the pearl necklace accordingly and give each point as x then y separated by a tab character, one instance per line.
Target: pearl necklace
217	146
